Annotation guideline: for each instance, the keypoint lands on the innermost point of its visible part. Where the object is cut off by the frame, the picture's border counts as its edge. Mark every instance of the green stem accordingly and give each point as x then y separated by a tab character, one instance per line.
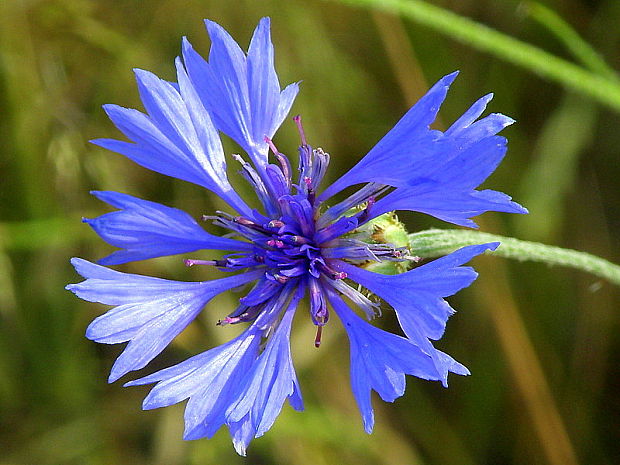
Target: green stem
580	49
438	242
483	38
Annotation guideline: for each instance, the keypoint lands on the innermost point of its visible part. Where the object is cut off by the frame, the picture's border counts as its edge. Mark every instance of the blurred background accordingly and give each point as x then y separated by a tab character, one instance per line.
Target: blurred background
542	343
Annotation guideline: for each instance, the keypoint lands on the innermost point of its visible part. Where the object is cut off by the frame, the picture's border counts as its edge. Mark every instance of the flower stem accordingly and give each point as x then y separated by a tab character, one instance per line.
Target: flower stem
437	242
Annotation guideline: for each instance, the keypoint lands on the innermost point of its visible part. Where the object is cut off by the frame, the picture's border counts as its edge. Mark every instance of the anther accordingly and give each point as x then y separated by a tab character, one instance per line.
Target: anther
271	145
330	272
300	240
281	278
278	244
190	262
275	224
243	221
366	212
317	338
300	128
228	320
311	195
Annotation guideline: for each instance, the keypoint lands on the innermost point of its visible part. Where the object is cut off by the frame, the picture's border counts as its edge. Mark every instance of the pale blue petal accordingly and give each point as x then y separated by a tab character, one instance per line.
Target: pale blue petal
263	85
272	379
150	312
176	138
241	93
147	229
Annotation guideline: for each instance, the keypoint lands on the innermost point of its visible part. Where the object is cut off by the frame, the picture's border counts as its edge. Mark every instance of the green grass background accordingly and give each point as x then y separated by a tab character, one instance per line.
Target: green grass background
542	343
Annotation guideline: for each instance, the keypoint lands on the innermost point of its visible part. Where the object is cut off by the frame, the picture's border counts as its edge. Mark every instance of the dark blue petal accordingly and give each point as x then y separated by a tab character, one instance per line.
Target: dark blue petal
379	361
147	229
434	172
467	128
453	206
402	147
149	312
417	295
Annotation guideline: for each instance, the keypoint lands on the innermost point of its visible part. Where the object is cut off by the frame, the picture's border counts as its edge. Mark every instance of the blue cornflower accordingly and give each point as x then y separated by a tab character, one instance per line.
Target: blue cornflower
297	244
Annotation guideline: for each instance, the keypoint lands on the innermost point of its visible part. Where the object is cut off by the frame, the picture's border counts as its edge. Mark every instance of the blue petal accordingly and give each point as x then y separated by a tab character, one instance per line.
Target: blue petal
417	295
242	94
147	229
209	380
379	361
176	138
434	172
443	362
453	206
232	384
272	380
263	85
402	147
149	312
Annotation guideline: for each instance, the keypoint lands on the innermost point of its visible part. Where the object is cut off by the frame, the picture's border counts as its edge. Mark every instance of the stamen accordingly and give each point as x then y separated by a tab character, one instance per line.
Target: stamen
330	272
278	244
275	224
271	145
352	202
244	221
300	128
365	214
250	175
282	159
281	278
310	189
250	224
228	320
317	338
190	262
300	240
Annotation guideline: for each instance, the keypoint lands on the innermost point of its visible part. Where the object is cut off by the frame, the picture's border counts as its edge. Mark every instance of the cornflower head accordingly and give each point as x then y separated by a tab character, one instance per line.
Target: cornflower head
298	244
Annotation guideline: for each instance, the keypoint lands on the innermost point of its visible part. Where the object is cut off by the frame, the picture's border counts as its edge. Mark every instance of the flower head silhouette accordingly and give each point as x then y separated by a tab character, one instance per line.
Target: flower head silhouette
299	243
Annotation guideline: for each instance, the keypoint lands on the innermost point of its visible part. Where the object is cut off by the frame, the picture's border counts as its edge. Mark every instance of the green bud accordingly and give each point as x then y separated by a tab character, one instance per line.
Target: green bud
385	229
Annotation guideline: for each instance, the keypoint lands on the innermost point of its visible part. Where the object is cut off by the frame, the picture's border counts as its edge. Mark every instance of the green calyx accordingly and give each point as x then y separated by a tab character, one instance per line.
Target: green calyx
385	229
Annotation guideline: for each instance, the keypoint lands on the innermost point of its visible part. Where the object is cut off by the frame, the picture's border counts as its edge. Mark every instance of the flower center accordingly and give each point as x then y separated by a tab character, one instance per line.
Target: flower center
294	243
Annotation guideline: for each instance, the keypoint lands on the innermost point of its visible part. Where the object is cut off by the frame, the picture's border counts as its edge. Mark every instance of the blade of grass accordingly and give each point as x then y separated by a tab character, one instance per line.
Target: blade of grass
574	43
529	376
551	175
504	47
